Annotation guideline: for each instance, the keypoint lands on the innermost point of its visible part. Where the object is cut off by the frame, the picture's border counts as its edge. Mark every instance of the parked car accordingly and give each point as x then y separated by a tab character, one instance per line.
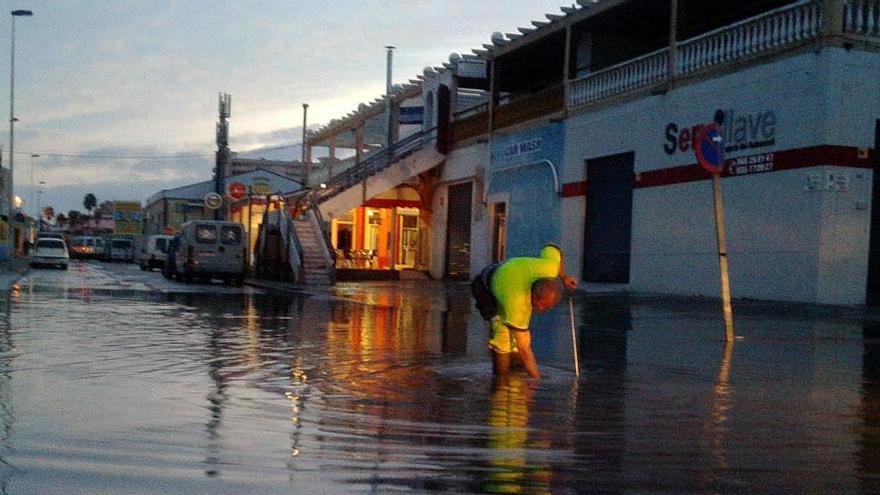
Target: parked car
50	235
88	247
153	251
50	252
121	249
209	249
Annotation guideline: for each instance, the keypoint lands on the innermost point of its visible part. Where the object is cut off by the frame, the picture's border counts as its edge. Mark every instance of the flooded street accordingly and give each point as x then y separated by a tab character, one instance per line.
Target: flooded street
114	380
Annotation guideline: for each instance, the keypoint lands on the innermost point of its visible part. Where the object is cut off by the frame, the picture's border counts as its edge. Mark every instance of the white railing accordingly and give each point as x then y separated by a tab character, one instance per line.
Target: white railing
633	74
779	28
861	16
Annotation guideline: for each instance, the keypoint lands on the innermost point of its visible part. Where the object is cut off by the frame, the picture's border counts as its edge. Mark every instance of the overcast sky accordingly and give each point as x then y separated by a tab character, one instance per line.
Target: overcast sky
139	78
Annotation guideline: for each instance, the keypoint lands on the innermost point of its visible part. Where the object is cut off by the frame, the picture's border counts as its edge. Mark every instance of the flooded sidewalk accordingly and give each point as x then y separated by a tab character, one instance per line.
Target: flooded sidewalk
387	386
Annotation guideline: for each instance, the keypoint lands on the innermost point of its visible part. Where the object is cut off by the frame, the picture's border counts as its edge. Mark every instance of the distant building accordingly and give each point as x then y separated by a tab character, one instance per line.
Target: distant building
168	209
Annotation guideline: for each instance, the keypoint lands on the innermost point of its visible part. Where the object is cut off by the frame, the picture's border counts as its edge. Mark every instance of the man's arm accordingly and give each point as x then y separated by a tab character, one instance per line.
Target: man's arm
524	345
567	280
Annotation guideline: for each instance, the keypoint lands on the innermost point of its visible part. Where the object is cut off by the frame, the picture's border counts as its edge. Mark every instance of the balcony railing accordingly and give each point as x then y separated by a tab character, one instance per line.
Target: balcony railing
777	29
633	74
861	17
369	166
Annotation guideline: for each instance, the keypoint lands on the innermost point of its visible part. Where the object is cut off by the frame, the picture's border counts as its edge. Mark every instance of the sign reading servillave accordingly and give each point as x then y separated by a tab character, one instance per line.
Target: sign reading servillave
740	132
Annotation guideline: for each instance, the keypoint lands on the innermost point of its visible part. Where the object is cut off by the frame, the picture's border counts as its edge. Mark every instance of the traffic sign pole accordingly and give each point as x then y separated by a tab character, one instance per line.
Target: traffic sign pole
709	150
722	257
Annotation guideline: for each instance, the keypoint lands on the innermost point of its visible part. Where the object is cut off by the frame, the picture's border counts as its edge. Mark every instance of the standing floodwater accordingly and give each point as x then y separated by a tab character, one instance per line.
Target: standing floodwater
116	381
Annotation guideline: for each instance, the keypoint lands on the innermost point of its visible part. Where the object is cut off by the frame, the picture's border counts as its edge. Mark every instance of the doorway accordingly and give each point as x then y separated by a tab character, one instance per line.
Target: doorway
608	229
499	231
458	231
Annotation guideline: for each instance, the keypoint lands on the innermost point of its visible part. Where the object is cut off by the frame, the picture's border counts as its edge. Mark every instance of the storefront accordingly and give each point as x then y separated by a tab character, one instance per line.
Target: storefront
394	225
522	191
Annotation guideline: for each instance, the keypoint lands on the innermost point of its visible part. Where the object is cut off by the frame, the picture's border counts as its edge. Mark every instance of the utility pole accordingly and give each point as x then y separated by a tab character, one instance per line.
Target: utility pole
223	154
307	166
392	242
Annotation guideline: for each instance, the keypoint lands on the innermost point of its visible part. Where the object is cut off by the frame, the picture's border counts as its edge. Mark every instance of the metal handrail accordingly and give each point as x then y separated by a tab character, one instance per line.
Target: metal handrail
371	165
317	220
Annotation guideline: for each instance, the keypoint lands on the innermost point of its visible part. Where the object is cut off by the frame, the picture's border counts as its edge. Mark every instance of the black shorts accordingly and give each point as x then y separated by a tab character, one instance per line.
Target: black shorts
482	292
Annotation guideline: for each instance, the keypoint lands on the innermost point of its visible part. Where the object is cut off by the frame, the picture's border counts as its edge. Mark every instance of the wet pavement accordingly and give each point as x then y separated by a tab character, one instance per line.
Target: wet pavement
114	380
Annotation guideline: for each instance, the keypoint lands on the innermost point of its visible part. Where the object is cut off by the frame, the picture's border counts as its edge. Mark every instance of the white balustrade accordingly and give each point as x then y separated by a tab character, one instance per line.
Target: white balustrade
779	28
643	71
861	17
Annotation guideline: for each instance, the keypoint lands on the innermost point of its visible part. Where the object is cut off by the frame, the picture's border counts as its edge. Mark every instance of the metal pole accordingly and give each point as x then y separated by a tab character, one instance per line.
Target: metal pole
32	183
11	229
39	216
306	166
722	257
15	13
390	55
392	245
574	347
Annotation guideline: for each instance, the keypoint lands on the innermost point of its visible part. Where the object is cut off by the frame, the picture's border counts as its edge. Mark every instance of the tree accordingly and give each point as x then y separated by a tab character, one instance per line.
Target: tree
74	217
89	202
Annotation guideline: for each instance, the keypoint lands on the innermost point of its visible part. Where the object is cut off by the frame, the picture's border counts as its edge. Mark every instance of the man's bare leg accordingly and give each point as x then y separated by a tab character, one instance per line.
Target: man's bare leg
500	362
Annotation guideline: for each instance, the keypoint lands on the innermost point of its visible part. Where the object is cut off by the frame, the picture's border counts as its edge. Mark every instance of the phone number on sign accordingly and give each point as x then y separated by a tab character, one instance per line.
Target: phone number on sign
751	164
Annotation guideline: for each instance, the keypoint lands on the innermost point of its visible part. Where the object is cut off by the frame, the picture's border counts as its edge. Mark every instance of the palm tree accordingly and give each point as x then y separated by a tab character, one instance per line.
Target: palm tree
89	202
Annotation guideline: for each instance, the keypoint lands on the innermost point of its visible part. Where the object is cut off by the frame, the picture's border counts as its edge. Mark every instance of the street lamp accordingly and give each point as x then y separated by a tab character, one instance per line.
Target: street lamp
32	180
15	13
40	213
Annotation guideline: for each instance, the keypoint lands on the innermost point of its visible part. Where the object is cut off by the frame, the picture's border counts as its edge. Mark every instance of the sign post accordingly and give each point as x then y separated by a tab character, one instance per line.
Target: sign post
709	149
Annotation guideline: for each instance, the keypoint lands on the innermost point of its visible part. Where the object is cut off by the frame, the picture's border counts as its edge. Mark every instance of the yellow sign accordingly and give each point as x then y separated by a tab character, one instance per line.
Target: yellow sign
260	186
127	217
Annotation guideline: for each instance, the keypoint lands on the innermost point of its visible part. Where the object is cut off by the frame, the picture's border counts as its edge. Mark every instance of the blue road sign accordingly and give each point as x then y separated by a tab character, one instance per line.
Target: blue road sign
710	148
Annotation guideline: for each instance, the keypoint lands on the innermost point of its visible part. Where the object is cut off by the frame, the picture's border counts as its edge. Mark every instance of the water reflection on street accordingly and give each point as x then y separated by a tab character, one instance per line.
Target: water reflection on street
113	383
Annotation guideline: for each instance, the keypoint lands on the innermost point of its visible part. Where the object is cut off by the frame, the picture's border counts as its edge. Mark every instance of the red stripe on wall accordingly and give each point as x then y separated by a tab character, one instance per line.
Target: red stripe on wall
574	189
759	163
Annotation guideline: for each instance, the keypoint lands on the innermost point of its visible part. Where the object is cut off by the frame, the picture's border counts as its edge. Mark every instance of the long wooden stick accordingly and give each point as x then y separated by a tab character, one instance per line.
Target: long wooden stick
574	348
722	258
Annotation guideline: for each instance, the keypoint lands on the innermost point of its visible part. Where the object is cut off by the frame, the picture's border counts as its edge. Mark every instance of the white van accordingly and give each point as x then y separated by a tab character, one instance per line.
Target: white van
209	249
153	251
121	249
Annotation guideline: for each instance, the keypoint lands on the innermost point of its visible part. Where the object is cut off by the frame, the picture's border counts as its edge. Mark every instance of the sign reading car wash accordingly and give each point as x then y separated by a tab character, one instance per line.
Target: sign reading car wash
236	190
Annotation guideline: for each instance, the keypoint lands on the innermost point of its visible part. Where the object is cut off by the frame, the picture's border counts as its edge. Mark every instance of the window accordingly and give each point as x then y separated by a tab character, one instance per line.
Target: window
161	244
206	234
50	244
120	243
230	235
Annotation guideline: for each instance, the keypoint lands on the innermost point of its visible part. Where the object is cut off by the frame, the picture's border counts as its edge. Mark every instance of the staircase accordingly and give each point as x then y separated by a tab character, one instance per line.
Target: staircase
378	172
317	265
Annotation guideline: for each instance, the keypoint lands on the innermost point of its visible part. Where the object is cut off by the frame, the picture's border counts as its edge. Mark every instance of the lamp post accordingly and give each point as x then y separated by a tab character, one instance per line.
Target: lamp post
15	13
32	182
40	213
392	244
307	165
